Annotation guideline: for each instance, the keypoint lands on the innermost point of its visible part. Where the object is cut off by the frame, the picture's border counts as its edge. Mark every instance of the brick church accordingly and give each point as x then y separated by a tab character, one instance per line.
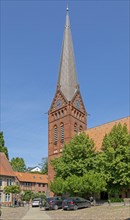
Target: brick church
67	114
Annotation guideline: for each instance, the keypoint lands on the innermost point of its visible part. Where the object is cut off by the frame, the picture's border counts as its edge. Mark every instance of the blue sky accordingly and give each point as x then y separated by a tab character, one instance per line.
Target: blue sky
31	41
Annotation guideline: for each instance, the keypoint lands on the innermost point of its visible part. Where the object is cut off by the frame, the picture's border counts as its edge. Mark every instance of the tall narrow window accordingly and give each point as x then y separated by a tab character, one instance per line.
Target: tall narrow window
62	113
7	197
9	182
55	134
62	132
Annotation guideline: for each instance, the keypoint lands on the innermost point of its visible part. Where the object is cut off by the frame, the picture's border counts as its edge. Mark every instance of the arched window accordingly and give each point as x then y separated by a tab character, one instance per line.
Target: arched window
62	113
55	134
77	115
62	132
75	128
55	116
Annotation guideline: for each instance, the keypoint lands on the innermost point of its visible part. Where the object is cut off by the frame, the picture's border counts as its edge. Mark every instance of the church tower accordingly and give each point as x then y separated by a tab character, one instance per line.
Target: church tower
67	114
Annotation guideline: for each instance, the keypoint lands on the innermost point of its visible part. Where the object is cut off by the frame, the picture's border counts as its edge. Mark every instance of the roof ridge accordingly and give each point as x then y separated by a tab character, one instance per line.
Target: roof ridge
109	122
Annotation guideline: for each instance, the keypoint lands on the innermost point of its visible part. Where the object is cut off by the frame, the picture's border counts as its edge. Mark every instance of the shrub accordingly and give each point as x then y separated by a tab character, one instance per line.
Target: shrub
116	200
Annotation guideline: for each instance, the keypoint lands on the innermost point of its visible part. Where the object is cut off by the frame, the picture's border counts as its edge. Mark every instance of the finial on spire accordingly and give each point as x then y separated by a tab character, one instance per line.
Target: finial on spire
67	8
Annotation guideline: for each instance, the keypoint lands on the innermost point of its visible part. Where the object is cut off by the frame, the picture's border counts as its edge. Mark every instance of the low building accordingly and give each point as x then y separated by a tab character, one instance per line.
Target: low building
34	169
37	183
32	181
7	178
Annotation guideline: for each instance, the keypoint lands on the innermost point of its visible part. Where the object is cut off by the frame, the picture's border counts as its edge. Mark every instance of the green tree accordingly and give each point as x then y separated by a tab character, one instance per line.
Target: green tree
27	195
75	172
44	165
79	185
94	182
74	185
77	157
58	186
38	195
14	189
2	145
116	163
18	164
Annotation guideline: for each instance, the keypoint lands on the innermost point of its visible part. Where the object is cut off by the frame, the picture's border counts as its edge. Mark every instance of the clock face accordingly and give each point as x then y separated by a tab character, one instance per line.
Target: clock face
77	104
58	103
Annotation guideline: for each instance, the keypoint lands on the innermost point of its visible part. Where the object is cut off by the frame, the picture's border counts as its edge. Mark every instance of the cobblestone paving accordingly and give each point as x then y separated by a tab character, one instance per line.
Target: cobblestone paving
10	213
93	213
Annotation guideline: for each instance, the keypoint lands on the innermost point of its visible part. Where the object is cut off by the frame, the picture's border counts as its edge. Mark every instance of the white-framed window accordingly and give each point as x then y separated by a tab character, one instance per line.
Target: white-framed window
27	184
7	197
0	182
9	182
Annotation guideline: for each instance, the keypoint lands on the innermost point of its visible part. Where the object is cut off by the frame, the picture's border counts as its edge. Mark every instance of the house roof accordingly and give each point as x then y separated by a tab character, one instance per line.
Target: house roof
5	167
33	168
98	133
32	177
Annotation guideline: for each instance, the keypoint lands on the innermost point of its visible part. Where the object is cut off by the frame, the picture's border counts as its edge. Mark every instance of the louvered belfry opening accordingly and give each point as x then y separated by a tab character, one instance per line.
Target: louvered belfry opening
55	134
62	132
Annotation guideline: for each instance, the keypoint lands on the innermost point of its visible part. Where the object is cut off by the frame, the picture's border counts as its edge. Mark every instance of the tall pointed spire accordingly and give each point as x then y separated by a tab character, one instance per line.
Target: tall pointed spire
67	80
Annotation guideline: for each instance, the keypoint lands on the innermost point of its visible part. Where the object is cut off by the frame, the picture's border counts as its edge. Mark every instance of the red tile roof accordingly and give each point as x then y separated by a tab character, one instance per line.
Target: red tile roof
32	177
5	167
98	133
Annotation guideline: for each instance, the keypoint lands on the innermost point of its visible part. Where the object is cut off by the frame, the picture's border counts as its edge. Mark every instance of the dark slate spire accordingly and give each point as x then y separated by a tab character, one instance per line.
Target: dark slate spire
67	81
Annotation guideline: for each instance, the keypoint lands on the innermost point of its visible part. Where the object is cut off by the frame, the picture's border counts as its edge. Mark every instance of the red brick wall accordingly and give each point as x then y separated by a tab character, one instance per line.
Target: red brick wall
69	118
34	187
